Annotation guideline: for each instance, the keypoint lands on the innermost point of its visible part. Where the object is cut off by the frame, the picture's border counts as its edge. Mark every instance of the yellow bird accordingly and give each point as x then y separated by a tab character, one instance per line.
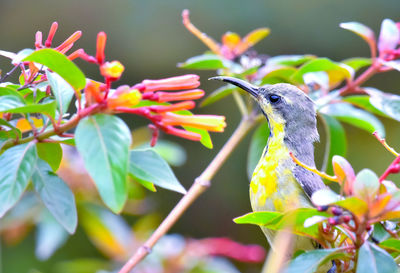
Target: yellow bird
278	184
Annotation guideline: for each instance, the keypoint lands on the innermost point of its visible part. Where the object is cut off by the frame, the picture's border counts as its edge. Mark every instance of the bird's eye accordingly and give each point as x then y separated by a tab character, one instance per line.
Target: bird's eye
274	99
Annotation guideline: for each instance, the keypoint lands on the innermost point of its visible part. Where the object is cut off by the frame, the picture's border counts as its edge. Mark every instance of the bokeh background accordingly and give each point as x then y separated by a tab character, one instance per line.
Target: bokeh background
149	39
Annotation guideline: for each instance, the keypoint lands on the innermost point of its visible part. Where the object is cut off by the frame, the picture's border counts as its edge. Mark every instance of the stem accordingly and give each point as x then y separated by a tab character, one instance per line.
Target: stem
60	129
8	74
373	69
200	184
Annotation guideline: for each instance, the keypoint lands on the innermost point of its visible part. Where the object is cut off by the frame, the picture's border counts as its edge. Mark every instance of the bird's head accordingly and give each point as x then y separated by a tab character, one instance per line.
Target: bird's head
283	104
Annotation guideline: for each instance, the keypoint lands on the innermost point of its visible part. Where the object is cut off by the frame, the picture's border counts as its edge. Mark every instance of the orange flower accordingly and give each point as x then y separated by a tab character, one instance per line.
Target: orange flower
93	93
207	122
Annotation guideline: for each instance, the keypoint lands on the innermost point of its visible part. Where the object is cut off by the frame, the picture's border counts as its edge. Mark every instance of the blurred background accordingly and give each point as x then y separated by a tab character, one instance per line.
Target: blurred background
149	39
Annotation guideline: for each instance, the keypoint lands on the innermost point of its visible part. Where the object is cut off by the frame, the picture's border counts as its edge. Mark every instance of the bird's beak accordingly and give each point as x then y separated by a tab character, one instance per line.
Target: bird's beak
252	89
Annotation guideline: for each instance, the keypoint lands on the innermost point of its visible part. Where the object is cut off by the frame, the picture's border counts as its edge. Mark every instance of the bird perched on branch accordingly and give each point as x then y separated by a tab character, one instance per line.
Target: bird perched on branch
279	184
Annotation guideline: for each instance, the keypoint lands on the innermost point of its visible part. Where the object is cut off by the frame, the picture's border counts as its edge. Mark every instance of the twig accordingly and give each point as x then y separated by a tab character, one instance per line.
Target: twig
349	88
312	169
60	129
240	103
200	184
8	74
384	143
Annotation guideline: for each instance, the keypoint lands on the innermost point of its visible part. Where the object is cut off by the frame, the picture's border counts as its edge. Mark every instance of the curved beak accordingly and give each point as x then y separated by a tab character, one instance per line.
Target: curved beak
252	89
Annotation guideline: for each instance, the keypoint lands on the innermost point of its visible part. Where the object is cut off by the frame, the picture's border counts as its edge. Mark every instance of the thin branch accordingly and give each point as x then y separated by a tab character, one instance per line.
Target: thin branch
312	169
351	87
8	74
200	184
384	143
60	129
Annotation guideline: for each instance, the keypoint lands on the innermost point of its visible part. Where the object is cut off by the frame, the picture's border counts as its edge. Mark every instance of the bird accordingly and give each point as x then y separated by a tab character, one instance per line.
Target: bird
278	183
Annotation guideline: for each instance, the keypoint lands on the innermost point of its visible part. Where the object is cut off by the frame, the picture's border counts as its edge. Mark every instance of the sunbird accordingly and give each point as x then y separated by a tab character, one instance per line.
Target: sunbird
278	183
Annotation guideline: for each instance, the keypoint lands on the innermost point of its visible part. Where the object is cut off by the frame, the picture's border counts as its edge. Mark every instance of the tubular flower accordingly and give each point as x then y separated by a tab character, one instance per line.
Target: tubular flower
167	117
207	122
174	83
232	44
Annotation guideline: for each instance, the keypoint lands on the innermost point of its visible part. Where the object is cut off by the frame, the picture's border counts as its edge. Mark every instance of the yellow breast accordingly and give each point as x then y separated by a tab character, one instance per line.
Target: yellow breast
273	186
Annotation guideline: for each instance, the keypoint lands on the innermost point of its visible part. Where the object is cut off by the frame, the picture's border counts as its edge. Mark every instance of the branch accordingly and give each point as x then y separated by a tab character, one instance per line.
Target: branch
55	131
200	184
349	88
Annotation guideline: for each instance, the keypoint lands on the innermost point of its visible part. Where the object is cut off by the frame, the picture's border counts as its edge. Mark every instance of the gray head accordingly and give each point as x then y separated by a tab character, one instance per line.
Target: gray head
284	105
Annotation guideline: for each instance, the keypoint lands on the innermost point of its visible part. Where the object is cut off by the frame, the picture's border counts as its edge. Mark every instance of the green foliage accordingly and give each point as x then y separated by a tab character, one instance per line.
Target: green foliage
16	167
147	165
60	64
55	195
372	258
103	141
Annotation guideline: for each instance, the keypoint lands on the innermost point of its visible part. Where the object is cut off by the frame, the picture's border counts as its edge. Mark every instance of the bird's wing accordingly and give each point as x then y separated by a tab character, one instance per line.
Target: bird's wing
310	182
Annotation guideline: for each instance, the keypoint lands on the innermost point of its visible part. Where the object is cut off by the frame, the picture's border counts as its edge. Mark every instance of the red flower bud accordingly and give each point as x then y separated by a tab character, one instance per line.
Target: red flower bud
67	44
100	46
38	39
50	37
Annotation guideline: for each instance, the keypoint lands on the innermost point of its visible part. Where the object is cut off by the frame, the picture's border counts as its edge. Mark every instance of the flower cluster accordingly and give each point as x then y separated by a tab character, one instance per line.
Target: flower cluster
165	102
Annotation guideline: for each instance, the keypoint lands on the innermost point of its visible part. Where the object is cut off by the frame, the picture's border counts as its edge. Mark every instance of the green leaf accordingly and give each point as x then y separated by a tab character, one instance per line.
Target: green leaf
16	167
276	220
173	153
51	153
204	62
366	185
50	236
283	74
218	94
355	205
290	60
56	195
60	64
22	54
387	103
11	90
389	36
260	218
357	63
103	141
258	143
374	259
149	166
363	101
13	104
391	244
337	70
309	261
354	116
63	92
336	143
361	30
205	136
